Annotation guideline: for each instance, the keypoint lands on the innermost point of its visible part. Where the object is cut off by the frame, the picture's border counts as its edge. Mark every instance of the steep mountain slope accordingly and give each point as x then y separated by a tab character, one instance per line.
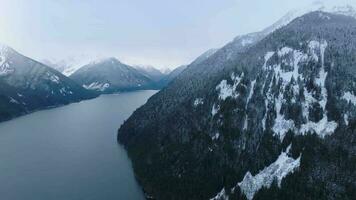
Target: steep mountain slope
177	71
271	119
27	85
110	75
204	56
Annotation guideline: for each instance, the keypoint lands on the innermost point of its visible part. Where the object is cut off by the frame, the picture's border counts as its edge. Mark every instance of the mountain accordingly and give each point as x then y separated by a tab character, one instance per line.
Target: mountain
110	75
151	72
331	6
166	71
271	115
27	85
59	66
205	56
171	76
177	71
67	66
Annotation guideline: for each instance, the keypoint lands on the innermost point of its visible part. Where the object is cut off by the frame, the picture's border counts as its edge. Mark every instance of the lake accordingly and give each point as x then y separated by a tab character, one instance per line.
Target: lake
70	152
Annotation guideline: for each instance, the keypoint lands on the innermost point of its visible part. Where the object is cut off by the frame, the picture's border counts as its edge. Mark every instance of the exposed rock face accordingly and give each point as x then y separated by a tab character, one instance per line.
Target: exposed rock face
218	130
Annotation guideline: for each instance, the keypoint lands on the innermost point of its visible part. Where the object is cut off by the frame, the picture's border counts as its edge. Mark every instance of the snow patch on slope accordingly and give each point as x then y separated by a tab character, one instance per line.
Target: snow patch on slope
278	170
227	90
215	110
251	92
323	127
247	102
293	58
216	136
52	77
198	101
221	195
12	100
349	97
97	86
267	57
281	125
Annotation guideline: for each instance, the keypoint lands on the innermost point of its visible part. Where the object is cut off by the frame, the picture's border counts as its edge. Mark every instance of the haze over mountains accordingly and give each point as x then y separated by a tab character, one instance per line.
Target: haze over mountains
270	115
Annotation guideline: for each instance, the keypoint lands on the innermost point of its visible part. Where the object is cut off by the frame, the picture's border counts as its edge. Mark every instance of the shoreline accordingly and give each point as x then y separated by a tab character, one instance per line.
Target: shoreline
61	105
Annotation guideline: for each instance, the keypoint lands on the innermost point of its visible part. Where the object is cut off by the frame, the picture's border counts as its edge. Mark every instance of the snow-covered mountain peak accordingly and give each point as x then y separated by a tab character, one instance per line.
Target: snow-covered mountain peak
336	7
109	75
345	10
5	68
329	6
105	60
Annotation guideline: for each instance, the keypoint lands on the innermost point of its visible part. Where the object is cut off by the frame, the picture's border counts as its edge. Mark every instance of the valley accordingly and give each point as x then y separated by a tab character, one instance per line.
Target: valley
234	101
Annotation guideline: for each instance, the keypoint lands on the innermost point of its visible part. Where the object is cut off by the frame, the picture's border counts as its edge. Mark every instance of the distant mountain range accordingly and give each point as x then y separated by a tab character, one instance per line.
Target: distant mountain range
27	85
110	75
271	115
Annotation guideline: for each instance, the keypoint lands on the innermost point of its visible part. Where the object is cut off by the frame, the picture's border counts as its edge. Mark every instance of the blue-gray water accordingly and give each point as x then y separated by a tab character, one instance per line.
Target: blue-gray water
70	152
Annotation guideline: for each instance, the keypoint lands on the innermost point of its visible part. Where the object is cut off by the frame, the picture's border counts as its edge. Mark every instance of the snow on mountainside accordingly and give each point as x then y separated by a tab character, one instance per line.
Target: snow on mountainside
283	166
110	75
69	65
331	6
218	130
27	85
279	169
289	73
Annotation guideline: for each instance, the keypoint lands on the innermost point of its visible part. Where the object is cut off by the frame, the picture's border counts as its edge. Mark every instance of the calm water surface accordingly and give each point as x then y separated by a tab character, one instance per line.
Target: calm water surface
70	152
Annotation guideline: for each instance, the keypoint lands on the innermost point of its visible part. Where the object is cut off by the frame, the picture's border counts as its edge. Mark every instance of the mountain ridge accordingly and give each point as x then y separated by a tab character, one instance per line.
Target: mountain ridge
109	75
27	86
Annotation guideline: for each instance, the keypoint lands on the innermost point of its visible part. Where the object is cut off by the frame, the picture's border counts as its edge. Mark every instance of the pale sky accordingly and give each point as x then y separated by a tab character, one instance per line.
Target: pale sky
162	33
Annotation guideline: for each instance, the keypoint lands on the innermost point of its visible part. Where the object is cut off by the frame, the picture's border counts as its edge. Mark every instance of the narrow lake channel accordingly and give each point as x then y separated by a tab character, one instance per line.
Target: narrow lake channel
70	152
